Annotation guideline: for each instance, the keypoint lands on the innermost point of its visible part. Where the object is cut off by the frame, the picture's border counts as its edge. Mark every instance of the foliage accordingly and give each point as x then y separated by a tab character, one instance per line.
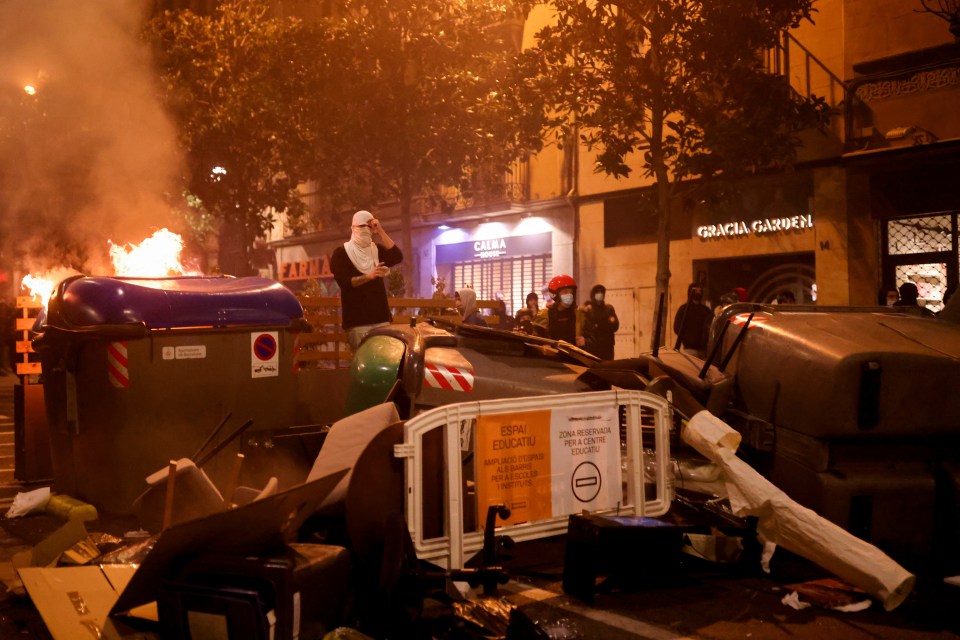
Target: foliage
246	91
675	86
440	284
396	284
389	101
429	98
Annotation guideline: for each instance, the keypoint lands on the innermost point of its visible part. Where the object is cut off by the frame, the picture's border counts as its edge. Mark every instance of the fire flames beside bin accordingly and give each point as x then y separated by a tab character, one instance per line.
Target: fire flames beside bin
137	372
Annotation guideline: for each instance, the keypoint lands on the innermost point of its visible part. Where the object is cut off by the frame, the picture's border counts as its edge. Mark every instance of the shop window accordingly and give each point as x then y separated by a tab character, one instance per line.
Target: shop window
931	281
928	234
629	220
512	278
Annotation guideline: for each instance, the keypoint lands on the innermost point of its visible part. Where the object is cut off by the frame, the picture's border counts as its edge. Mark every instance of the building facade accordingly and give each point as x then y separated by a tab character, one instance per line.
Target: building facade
870	204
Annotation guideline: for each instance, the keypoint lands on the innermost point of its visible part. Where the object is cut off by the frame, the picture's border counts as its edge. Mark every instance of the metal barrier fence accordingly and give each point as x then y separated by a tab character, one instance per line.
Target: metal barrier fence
543	457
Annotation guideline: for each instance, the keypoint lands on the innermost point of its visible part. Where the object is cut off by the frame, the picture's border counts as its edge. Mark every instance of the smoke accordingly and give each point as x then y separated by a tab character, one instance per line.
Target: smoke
90	156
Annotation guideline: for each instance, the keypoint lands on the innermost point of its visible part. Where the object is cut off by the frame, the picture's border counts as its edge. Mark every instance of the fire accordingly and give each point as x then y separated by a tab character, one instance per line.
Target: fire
156	257
41	285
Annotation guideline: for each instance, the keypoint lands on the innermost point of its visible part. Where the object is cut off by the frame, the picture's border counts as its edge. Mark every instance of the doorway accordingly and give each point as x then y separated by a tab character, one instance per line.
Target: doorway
763	277
922	250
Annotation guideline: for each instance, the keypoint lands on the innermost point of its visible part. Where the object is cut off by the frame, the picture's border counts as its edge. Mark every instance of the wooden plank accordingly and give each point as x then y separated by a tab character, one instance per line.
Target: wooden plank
29	302
28	368
324	356
25	346
321	338
25	324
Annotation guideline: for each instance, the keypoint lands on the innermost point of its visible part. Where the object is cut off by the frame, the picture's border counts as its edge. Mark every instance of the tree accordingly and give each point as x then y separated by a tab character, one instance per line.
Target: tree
429	99
681	83
247	92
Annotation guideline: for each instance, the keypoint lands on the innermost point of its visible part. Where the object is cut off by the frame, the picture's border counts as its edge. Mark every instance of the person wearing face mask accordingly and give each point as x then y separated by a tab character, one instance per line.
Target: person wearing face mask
603	323
359	267
532	308
692	323
562	320
466	302
889	297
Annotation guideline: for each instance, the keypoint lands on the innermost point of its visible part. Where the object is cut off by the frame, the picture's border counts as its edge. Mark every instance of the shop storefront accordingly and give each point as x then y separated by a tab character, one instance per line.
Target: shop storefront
506	268
500	256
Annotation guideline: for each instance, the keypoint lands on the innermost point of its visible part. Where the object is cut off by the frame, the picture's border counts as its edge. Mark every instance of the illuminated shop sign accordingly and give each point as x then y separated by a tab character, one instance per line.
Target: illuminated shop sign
766	226
493	248
305	269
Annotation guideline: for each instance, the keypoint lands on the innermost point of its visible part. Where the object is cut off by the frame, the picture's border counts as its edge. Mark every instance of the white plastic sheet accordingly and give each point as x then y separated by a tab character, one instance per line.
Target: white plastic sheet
793	526
29	502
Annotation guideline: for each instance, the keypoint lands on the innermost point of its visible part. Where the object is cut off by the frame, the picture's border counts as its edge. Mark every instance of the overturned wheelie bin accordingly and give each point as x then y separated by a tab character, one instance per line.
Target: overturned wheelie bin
138	372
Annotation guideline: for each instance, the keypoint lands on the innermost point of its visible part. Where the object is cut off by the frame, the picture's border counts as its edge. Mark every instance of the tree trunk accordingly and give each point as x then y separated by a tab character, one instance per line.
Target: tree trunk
406	237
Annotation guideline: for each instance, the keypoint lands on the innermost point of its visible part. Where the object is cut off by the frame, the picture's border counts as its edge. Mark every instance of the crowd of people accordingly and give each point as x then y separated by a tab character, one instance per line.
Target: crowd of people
361	264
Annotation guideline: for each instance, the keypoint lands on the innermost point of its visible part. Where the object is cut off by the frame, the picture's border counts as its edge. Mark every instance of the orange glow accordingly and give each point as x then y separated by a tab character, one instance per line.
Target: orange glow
156	257
41	285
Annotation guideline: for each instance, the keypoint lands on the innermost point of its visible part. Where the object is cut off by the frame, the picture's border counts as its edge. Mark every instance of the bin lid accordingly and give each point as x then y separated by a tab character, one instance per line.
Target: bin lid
174	302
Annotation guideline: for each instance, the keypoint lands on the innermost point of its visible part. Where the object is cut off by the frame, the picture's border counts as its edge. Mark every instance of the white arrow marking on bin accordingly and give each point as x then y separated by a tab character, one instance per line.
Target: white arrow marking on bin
449	378
117	365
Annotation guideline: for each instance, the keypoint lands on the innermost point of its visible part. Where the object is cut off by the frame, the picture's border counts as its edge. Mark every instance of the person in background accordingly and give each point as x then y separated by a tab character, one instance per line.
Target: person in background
692	322
466	301
909	296
726	300
505	321
786	297
359	267
546	296
525	321
603	323
532	307
889	297
562	320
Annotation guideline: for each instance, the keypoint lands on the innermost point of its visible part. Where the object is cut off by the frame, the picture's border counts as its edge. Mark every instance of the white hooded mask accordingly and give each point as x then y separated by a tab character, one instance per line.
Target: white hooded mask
361	249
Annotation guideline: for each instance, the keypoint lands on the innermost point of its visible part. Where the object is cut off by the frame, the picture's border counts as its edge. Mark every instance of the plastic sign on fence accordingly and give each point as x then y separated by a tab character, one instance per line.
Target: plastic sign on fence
548	463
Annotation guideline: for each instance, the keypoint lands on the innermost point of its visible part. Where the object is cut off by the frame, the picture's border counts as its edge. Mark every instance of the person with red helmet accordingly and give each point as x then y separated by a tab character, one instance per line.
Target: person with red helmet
563	320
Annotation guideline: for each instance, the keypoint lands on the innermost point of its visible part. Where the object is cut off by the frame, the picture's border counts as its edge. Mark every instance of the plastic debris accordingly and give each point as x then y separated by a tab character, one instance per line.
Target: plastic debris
69	508
792	600
29	502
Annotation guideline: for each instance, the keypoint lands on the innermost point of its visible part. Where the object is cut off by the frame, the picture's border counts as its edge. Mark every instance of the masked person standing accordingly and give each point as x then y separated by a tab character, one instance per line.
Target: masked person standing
562	320
359	267
692	322
604	323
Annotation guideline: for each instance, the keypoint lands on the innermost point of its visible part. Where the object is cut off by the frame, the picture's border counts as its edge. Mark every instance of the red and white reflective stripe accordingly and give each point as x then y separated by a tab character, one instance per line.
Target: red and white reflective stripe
117	365
449	378
741	319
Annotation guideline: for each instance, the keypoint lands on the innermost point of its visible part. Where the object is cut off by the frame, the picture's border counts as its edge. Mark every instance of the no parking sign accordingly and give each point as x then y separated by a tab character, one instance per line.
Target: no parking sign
264	354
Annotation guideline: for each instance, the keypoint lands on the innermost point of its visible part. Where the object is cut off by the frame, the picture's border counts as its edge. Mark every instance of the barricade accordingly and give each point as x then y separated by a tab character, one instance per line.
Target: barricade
325	346
544	457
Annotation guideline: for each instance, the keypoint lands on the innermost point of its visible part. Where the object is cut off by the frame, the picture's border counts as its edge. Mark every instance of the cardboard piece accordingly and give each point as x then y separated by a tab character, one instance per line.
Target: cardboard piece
80	602
249	529
345	442
73	601
49	550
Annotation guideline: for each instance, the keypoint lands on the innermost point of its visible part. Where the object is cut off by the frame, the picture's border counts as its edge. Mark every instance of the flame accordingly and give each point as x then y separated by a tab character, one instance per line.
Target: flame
156	257
41	285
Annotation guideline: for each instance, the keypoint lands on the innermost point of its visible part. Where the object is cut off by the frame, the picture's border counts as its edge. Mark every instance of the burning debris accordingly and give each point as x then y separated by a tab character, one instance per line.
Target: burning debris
158	256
